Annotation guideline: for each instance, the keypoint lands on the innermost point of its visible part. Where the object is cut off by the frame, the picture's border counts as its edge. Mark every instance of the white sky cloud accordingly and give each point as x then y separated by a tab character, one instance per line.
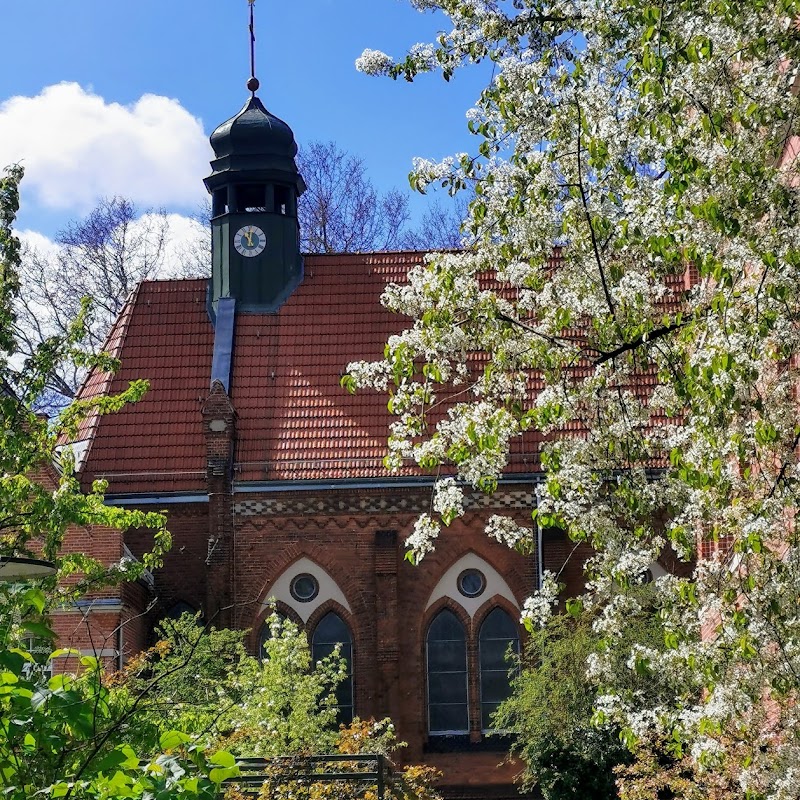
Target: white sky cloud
37	241
186	238
77	148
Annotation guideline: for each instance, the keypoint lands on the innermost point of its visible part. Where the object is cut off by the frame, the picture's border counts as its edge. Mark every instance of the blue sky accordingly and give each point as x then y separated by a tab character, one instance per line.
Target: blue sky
96	136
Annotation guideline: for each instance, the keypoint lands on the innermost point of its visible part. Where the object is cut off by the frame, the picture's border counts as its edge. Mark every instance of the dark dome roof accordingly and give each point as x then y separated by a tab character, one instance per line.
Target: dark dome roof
255	144
254	131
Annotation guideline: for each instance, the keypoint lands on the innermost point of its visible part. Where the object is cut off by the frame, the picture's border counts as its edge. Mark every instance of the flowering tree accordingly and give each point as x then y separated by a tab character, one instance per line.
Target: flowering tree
280	708
634	292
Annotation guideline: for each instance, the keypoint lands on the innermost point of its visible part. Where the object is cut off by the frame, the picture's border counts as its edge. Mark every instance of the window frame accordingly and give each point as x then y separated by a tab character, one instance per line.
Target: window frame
427	676
476	735
479	640
311	632
44	668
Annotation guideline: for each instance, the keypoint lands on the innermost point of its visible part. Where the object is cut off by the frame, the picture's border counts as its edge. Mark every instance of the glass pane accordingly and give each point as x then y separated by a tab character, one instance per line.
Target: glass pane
344	715
447	688
448	718
471	582
266	634
304	588
344	693
498	625
487	710
495	686
446	627
330	632
497	636
320	651
331	628
446	656
447	674
493	654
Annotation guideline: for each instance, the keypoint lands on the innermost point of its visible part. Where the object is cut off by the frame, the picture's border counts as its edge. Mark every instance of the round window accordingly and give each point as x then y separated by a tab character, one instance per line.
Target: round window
304	587
471	583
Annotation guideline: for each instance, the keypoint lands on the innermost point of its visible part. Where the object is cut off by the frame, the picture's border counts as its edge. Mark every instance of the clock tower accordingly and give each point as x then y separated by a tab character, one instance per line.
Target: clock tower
254	188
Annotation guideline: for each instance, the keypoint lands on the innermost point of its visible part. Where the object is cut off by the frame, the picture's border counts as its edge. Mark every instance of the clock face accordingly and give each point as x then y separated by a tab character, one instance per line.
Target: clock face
250	241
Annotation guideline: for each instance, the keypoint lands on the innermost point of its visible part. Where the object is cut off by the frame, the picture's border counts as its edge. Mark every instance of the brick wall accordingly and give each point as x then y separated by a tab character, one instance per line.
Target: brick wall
358	539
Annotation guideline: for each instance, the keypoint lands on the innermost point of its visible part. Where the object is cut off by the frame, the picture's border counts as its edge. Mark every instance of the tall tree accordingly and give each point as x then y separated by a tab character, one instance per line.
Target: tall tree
341	211
440	226
637	205
103	257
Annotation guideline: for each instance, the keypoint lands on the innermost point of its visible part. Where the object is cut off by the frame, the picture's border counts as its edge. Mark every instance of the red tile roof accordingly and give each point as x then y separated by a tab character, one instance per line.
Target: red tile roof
163	335
294	421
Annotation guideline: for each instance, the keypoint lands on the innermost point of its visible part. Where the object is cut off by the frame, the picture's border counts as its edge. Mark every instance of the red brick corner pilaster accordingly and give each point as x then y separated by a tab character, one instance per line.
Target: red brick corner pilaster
219	428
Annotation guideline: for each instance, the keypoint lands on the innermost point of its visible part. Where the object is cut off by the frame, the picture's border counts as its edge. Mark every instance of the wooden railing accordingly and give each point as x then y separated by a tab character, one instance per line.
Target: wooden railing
366	772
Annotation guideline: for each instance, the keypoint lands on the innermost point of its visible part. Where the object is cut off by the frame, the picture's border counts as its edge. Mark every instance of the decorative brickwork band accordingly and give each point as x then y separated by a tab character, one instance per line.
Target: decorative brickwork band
353	503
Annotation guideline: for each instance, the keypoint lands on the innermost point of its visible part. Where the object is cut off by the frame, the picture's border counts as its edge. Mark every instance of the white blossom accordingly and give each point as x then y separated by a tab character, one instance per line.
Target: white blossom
448	498
539	606
420	542
507	531
374	62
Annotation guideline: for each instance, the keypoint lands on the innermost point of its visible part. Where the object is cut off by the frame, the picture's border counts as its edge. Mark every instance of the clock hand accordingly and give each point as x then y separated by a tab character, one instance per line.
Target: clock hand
249	236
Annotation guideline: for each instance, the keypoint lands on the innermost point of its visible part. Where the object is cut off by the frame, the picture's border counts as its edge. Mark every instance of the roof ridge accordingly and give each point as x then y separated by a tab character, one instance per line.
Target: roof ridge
121	324
176	279
372	254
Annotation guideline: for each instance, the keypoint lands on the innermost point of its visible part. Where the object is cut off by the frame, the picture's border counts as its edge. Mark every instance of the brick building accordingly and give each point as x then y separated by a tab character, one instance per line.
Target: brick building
273	481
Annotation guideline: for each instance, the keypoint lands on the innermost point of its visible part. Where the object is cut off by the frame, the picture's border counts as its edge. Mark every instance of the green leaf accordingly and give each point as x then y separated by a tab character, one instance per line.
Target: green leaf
222	758
219	774
35	598
64	652
172	739
574	607
123	756
40	630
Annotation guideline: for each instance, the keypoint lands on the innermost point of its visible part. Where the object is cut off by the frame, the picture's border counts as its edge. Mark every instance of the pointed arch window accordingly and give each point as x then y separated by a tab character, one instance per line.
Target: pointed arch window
179	609
330	631
497	634
446	649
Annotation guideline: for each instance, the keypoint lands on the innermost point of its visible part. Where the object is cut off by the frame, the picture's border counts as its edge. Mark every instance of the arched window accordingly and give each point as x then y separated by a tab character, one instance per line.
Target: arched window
179	609
498	633
331	631
447	675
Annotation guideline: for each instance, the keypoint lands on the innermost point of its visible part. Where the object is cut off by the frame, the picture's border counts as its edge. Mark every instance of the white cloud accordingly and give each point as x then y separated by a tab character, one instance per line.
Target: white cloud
188	244
76	148
38	242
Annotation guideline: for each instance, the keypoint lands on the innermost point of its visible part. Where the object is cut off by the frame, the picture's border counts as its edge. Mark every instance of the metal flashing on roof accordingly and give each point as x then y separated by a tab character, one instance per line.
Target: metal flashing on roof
147	499
275	306
97	604
223	342
410	482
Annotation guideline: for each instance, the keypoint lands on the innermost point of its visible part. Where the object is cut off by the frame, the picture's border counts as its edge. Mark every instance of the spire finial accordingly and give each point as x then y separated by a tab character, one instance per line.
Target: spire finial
252	83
